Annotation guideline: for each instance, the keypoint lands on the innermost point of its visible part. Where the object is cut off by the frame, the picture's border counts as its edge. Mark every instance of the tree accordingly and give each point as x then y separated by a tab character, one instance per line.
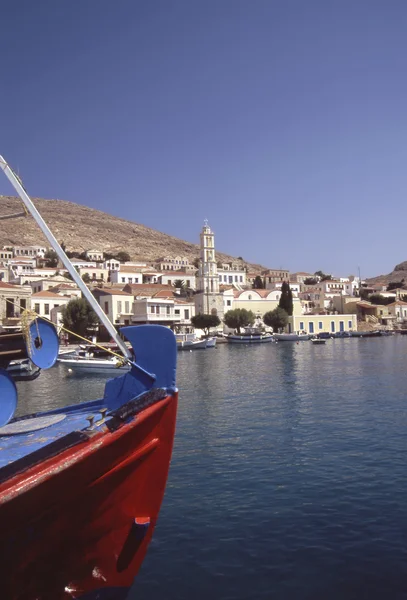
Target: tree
51	258
79	317
195	262
379	299
319	274
326	278
122	256
394	285
277	318
310	281
364	293
286	298
200	321
258	283
239	317
179	283
86	277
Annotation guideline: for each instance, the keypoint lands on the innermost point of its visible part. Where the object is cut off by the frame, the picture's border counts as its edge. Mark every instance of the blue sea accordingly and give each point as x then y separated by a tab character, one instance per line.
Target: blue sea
288	479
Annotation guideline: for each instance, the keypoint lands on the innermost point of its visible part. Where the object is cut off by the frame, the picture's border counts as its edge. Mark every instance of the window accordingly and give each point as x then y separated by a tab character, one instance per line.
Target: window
152	309
228	303
320	326
46	309
176	311
302	325
119	306
250	296
333	326
130	279
188	283
106	307
157	308
123	280
186	313
350	324
126	307
236	278
311	327
136	280
56	305
37	308
241	278
168	310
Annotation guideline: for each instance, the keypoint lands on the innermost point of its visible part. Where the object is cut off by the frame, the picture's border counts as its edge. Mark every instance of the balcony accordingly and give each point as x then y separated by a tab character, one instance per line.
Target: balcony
154	317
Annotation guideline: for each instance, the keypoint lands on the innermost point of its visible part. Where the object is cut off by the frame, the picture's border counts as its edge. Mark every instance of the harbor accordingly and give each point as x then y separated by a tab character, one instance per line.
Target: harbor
276	484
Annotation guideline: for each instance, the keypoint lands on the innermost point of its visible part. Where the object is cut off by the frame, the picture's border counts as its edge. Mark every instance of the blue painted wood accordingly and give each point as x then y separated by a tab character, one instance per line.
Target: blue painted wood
44	343
8	397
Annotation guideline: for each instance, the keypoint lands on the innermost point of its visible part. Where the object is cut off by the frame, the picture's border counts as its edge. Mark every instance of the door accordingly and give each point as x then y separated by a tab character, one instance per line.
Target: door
333	326
341	326
311	327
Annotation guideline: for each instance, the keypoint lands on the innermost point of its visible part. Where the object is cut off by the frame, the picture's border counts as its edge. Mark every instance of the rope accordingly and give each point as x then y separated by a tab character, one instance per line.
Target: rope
28	315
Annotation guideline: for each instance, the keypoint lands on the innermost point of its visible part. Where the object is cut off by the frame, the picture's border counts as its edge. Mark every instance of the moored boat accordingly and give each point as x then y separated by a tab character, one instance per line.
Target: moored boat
291	337
81	486
211	342
318	341
260	338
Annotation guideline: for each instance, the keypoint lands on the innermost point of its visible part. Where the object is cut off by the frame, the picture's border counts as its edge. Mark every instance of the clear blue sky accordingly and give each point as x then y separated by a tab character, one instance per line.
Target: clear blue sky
282	122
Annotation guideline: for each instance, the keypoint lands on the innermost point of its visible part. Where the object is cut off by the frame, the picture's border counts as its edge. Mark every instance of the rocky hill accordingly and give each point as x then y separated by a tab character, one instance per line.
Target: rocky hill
82	228
398	274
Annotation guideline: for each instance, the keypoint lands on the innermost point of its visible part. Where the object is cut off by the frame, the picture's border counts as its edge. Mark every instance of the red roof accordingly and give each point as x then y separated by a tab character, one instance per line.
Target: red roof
9	286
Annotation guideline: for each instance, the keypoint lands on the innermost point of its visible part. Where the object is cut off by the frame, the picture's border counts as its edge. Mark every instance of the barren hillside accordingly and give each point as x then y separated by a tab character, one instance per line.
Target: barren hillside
82	228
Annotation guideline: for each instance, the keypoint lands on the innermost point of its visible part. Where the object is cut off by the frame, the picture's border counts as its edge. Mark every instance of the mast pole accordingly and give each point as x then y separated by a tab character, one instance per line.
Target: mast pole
63	257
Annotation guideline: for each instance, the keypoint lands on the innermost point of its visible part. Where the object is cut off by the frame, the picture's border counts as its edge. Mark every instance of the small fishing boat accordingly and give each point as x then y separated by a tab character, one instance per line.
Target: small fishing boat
23	370
318	341
81	486
291	337
188	341
111	365
260	338
211	342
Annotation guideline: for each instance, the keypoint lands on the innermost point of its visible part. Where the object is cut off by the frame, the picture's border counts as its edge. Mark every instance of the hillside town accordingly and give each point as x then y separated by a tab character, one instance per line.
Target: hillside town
171	290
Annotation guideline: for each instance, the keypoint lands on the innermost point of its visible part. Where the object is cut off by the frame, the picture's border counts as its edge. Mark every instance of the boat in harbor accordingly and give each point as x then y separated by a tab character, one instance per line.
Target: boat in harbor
23	370
92	359
81	486
211	342
291	337
188	341
250	336
318	341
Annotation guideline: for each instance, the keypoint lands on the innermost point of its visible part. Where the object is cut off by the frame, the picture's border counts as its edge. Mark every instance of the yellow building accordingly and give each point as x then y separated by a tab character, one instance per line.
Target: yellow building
322	323
261	301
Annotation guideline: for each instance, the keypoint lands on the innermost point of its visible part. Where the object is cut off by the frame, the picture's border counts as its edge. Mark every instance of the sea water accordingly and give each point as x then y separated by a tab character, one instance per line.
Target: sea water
288	479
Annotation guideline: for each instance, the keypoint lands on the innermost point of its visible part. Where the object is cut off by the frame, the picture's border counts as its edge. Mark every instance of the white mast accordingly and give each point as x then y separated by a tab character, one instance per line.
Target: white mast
63	257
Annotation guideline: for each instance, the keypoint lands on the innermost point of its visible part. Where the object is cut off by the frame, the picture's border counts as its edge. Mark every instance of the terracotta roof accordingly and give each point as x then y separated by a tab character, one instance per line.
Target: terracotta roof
261	293
47	294
164	294
397	303
10	286
109	292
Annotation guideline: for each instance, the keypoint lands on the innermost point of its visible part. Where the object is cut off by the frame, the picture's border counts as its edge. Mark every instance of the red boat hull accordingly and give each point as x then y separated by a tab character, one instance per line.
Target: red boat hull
77	525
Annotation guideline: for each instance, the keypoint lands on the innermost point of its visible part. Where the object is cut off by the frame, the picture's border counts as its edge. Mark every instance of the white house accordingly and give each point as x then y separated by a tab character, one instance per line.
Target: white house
80	264
126	275
398	309
44	302
112	264
117	305
276	285
163	311
168	278
236	277
94	273
35	251
176	263
95	255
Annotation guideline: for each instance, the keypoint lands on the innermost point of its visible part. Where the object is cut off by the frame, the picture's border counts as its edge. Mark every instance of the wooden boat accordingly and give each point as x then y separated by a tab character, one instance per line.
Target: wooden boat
318	341
188	341
261	338
81	487
23	370
211	342
291	337
111	366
